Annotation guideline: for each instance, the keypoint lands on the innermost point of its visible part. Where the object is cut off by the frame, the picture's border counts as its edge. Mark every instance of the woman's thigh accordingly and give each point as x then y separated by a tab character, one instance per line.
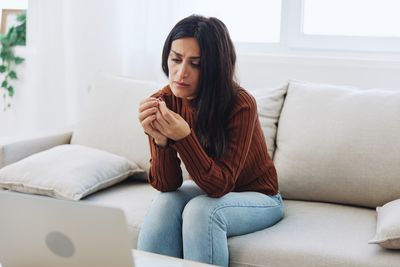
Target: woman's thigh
238	212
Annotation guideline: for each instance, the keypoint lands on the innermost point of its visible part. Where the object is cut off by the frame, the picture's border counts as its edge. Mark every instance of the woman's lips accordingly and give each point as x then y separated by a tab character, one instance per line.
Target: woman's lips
182	84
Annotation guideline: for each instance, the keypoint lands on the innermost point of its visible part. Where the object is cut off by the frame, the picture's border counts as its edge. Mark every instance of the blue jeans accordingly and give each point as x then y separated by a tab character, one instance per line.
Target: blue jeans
188	224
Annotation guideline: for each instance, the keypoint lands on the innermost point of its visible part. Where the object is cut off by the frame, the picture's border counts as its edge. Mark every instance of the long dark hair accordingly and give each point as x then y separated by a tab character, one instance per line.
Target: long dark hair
216	93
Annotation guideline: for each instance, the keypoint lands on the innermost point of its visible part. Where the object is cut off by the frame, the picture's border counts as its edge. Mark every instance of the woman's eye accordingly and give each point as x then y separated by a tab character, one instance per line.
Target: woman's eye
176	60
196	64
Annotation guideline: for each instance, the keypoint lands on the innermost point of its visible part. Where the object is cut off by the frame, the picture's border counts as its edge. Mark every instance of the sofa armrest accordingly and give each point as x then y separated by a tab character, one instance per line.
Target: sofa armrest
13	151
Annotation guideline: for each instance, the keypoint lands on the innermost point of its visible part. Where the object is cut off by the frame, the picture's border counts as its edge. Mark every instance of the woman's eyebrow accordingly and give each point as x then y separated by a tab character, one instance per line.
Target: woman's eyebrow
180	55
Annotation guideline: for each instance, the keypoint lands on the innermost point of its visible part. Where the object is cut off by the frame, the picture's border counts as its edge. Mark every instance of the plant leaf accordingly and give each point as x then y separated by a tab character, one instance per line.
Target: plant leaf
13	35
20	42
7	55
4	84
21	17
18	60
16	35
10	91
13	75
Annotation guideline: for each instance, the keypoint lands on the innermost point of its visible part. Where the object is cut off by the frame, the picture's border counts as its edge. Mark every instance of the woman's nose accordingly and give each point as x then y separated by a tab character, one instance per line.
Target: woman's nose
183	72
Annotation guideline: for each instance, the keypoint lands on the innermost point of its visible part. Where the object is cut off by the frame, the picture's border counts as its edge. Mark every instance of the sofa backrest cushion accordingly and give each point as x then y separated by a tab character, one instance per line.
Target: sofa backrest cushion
339	144
109	120
269	105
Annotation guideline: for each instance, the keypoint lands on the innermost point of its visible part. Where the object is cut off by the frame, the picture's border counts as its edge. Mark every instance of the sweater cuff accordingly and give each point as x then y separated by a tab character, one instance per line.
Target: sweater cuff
169	142
162	154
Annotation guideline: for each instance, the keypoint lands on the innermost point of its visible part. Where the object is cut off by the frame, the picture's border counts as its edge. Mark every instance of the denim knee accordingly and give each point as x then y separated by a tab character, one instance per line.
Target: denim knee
199	210
200	219
167	204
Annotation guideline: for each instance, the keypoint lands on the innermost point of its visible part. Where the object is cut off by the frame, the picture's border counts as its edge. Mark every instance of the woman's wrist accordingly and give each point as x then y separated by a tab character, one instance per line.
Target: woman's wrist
161	143
183	136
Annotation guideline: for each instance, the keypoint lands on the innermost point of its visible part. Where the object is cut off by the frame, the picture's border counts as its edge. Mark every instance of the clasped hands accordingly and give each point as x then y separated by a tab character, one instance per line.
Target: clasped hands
160	122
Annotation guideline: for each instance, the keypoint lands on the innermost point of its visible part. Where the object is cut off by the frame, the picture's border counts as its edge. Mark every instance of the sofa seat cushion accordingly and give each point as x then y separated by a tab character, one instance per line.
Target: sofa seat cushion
314	234
133	197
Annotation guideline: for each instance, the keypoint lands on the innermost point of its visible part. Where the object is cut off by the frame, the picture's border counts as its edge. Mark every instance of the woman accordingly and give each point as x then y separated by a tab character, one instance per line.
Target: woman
206	117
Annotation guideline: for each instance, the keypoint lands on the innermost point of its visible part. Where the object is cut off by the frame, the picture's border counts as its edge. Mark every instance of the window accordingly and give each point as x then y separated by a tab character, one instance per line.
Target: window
297	26
251	21
343	25
373	18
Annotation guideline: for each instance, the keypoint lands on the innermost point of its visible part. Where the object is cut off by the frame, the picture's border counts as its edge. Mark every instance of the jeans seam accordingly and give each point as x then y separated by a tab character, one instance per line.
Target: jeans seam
228	205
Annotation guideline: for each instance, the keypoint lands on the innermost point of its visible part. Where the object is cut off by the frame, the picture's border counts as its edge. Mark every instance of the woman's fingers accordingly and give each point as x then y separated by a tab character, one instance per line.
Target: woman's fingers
147	112
146	123
149	127
161	119
167	114
148	103
148	108
147	100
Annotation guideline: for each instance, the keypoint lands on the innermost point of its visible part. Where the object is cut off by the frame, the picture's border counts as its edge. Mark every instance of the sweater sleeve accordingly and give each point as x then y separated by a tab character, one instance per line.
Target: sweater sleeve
218	177
165	172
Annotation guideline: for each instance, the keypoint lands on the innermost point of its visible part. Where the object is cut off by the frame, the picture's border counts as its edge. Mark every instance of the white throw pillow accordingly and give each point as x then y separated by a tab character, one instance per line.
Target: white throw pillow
339	144
269	106
388	225
67	172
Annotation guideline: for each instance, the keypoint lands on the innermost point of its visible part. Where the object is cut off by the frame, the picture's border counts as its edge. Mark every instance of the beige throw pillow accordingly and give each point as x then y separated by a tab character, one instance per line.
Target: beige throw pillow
66	172
388	225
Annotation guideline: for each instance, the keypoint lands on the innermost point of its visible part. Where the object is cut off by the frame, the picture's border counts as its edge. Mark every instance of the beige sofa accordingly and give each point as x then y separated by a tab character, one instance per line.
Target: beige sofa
336	150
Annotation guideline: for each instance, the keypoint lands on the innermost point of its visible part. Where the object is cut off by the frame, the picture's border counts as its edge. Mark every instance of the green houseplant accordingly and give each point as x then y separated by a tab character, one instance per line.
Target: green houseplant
15	36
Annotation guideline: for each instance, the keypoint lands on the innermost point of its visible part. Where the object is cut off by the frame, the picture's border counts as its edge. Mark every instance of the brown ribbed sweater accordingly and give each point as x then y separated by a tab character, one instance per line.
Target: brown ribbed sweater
246	167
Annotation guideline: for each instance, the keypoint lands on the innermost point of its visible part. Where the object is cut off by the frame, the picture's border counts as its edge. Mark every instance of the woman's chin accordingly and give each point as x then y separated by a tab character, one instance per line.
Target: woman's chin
179	93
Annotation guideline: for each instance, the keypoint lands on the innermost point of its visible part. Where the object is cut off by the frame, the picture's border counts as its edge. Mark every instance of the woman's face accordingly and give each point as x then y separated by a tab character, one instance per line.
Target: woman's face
184	67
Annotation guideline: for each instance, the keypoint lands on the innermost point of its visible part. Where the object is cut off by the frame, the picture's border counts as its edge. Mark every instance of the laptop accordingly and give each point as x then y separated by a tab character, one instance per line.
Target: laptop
42	231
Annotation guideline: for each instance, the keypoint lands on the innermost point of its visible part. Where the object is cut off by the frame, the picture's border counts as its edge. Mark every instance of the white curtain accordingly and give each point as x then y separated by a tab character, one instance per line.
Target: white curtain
69	41
73	40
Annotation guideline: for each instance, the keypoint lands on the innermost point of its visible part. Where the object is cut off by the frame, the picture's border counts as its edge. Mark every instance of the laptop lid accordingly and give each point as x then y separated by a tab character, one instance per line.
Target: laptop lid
42	231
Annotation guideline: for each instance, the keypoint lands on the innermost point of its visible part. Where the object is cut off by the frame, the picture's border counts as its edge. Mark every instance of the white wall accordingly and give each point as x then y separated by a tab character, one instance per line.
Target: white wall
143	29
255	71
93	41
